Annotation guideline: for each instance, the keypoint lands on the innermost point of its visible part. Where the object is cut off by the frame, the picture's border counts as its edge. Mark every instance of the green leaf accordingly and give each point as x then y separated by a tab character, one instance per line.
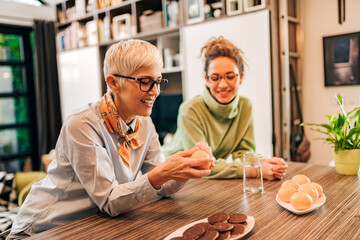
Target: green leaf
342	131
354	131
340	101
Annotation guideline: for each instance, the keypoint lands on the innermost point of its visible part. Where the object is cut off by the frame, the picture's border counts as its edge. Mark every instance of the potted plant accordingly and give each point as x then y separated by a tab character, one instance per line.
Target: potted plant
343	133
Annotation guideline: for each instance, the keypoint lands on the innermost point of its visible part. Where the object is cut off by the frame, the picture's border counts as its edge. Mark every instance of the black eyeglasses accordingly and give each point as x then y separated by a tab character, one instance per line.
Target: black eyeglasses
231	76
146	84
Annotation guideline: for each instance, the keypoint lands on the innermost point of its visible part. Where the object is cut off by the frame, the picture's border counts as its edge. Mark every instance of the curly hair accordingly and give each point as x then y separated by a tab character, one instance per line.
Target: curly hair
221	47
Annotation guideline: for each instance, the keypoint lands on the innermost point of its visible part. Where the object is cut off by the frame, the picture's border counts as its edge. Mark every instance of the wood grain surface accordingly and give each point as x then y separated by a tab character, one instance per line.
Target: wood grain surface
338	218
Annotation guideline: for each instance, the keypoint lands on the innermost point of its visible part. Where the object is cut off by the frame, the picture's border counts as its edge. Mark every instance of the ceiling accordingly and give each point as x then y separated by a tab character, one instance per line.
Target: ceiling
38	3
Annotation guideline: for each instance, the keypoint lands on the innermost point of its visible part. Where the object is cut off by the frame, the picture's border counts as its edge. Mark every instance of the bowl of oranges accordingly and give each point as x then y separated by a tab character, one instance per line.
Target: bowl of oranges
299	195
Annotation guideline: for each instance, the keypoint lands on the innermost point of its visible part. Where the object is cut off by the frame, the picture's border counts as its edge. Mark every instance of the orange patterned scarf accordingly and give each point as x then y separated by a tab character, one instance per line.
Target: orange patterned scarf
112	120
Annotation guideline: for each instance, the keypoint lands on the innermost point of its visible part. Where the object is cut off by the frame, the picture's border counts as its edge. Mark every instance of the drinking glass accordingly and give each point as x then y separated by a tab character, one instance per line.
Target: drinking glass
252	176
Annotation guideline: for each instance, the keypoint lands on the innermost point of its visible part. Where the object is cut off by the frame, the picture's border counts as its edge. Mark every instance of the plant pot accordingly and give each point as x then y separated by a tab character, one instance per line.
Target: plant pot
347	162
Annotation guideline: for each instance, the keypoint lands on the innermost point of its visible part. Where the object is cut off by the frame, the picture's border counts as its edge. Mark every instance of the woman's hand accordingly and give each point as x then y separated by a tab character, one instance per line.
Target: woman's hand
180	167
274	168
205	147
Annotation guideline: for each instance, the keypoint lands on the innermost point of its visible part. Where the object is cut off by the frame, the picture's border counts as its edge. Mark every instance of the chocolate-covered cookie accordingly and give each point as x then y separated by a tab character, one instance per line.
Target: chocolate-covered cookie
209	235
237	218
223	226
207	226
245	224
193	232
224	235
218	217
237	230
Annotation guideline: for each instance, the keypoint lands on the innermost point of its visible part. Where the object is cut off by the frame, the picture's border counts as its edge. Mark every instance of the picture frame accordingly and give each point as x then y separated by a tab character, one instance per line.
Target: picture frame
194	11
121	26
253	5
233	7
342	59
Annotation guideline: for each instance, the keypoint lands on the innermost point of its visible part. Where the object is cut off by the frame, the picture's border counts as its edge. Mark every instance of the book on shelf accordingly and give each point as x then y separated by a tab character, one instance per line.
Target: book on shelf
172	13
74	29
80	8
73	36
106	28
82	41
101	30
91	32
91	6
60	44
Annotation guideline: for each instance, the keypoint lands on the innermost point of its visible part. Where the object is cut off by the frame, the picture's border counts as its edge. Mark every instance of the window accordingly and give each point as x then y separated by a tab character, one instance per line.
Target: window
18	143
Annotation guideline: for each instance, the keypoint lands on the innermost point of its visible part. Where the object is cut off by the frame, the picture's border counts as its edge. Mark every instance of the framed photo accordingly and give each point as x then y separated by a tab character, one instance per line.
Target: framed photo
233	7
194	11
342	59
252	5
121	26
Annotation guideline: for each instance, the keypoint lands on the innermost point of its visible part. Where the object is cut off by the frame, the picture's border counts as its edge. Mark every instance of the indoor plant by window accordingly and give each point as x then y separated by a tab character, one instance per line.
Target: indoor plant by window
343	133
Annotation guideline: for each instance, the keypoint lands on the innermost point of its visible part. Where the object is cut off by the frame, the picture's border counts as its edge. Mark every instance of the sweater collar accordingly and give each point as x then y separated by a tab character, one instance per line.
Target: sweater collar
225	111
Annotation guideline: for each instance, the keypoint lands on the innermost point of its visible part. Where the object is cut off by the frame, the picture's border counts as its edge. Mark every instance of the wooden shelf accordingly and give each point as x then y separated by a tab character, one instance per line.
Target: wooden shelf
84	18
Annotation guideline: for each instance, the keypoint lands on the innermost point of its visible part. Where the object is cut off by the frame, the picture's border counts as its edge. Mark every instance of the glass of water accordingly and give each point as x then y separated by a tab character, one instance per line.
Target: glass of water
252	176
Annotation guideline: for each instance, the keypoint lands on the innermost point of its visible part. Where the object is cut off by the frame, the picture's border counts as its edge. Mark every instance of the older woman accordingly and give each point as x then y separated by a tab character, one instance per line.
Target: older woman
220	116
103	147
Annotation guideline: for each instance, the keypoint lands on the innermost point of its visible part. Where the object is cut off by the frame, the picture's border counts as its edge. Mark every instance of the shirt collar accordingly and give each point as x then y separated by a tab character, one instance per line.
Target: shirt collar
126	127
225	111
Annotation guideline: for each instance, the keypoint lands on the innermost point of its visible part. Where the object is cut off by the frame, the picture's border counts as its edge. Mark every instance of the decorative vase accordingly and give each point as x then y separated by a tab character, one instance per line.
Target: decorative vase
347	162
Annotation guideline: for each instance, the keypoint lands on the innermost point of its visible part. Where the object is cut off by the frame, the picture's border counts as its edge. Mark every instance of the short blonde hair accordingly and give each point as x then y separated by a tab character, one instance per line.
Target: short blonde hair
125	57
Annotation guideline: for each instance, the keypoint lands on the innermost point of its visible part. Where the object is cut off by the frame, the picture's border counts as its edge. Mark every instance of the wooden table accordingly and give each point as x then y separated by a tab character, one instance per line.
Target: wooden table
338	218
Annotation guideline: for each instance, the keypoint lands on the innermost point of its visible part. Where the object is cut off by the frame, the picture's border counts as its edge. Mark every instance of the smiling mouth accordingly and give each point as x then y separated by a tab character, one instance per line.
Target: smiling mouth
147	101
223	92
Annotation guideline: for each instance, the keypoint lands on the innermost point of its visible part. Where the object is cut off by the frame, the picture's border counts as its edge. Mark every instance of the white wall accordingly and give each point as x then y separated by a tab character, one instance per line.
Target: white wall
320	18
79	75
251	33
22	14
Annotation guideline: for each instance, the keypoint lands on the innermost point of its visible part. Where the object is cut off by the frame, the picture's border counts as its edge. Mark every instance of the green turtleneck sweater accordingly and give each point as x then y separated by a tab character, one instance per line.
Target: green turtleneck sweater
227	128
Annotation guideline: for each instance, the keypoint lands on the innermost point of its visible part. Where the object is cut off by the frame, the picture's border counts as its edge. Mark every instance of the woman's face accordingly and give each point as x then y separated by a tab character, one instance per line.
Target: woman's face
130	100
223	79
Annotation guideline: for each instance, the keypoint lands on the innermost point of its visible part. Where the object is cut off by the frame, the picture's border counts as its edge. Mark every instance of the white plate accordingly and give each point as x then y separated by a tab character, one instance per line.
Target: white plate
288	206
178	233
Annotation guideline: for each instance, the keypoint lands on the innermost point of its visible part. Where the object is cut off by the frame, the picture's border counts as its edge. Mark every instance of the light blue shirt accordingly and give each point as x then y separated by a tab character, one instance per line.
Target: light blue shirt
88	175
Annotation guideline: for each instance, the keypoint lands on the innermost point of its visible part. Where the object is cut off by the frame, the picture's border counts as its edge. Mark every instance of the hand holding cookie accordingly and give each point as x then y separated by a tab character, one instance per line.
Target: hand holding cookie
202	154
181	167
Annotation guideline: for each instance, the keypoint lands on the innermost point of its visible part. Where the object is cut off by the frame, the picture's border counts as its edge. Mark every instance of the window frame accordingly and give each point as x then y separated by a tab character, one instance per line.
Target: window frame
29	93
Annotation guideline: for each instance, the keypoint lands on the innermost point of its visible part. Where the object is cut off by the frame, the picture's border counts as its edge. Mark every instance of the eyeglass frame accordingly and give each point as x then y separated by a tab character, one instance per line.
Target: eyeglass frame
152	84
222	77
